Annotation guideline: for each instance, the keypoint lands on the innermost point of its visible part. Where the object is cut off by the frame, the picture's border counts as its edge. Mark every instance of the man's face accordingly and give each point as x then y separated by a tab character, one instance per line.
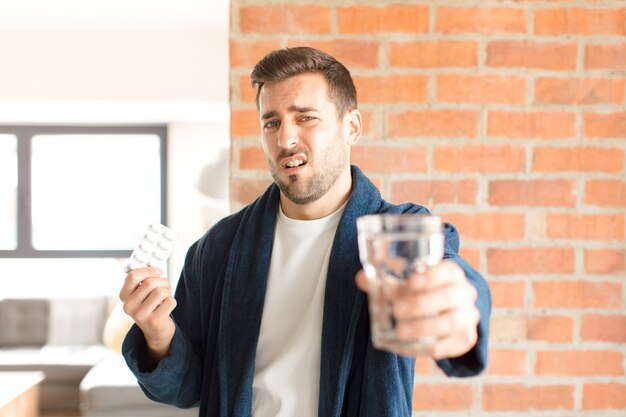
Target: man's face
303	138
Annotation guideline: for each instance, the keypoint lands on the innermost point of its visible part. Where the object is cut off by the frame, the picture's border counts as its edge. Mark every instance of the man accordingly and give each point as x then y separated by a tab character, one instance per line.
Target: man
267	319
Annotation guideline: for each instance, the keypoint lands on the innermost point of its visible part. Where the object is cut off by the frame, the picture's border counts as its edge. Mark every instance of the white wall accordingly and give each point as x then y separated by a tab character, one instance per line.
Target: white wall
115	62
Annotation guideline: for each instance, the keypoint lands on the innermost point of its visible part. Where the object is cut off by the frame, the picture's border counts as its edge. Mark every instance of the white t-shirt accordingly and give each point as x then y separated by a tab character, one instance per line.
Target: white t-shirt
287	368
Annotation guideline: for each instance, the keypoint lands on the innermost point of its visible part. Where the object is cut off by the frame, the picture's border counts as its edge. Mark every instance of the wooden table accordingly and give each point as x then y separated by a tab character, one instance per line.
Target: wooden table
19	394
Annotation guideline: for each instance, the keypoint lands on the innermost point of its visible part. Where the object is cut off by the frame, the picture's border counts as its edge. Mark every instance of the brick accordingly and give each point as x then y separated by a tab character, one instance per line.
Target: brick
506	362
528	54
247	94
387	159
578	159
246	53
605	193
433	124
471	255
508	294
244	123
433	54
605	261
603	328
252	158
507	328
550	90
483	20
518	397
531	125
245	191
423	365
605	125
555	329
493	89
586	226
577	294
569	21
430	192
579	363
391	18
392	89
488	226
351	53
549	260
552	193
443	397
607	396
606	56
283	18
479	158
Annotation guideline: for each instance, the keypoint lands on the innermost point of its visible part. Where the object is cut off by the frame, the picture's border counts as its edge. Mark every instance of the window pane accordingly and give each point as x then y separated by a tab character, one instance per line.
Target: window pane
94	191
8	192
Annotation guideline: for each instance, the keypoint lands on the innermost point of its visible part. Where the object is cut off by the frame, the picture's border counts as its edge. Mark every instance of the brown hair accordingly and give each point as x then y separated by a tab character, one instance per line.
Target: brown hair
281	64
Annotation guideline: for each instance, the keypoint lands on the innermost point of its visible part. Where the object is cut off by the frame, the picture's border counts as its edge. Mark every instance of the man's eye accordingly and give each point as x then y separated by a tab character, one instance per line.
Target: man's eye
271	124
307	118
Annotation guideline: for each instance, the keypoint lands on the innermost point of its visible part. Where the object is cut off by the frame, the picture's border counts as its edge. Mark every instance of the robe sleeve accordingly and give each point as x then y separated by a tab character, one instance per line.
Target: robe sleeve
474	361
177	378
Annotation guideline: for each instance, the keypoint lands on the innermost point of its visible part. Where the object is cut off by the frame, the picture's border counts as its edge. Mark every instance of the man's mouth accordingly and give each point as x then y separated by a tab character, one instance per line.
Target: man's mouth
293	163
296	163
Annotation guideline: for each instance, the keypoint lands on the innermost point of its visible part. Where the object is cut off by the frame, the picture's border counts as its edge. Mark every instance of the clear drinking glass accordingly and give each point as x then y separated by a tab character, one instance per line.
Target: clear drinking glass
392	247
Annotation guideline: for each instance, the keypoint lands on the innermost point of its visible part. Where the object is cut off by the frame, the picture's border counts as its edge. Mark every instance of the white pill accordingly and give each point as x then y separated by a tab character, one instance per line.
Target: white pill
151	237
170	235
141	257
159	255
165	245
146	247
158	228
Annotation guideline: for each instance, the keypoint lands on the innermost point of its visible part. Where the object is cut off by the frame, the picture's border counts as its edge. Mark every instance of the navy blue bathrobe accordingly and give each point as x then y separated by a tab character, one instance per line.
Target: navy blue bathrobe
220	303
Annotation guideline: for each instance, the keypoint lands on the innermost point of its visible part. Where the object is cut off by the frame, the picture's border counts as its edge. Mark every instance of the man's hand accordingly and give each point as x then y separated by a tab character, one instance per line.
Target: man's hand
439	303
148	300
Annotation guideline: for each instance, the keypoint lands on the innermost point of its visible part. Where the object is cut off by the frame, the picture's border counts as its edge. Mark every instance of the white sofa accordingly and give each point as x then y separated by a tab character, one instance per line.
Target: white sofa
60	337
66	340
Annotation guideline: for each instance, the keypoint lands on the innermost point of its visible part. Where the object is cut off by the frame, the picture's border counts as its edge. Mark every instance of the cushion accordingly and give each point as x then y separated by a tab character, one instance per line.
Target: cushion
24	322
77	321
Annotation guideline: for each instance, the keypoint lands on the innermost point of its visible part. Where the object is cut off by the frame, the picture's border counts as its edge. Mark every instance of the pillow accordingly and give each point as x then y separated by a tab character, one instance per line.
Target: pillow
24	322
77	321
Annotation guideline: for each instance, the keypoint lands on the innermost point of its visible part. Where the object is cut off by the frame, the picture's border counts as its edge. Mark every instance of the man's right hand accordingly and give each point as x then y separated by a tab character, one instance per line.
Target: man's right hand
148	300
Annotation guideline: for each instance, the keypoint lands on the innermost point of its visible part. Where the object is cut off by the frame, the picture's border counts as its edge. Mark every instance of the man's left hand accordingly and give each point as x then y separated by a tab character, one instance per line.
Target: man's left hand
439	303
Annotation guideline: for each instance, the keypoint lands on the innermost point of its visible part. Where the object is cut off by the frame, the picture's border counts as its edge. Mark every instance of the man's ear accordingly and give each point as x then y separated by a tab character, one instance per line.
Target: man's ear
353	123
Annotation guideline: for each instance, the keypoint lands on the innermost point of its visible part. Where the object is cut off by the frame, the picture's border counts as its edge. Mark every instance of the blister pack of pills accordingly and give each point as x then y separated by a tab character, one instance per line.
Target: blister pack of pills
155	248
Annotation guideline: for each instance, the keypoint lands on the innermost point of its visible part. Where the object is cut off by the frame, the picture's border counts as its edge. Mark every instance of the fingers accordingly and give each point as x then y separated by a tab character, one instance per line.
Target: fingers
147	297
442	325
457	343
134	279
444	273
414	304
438	304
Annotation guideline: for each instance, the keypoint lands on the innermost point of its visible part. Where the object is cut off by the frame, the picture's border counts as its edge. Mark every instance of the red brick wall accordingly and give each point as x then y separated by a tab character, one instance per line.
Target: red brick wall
507	118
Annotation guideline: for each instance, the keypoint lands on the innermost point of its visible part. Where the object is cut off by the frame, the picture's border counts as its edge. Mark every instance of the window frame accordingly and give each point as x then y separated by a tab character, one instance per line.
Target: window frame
24	135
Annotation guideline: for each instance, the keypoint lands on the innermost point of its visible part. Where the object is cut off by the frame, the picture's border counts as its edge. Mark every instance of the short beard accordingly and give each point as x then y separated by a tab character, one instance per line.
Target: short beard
328	173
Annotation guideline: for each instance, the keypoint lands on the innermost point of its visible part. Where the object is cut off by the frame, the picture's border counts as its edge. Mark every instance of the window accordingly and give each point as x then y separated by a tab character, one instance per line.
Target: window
74	202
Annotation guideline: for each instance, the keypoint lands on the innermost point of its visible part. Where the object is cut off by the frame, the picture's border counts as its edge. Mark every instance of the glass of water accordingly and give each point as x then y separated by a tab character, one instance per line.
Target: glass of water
392	247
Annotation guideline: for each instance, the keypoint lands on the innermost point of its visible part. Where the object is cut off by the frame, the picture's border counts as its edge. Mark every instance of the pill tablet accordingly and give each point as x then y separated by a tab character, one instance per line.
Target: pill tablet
155	248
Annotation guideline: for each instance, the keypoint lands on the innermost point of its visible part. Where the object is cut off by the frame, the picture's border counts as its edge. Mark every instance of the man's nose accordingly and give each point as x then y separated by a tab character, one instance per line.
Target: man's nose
288	136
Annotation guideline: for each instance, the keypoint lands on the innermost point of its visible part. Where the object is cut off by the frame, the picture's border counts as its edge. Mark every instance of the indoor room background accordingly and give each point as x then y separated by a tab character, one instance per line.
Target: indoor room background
505	117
